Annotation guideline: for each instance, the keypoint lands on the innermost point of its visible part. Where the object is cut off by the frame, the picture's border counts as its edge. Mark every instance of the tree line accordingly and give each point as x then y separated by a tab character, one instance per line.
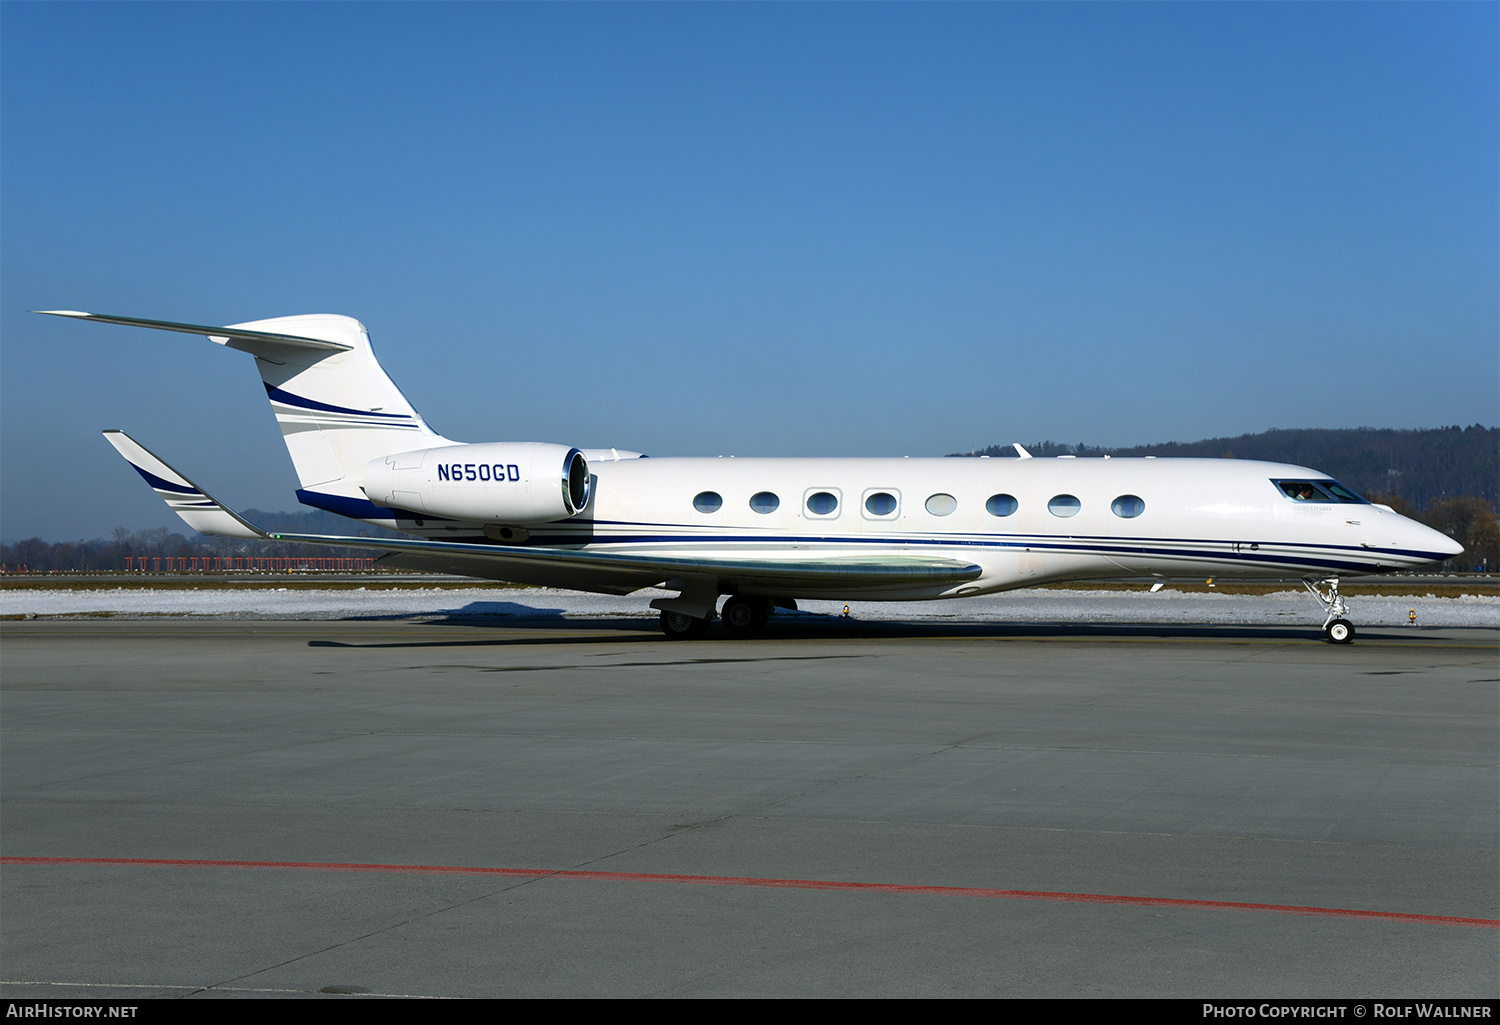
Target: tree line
103	555
1420	466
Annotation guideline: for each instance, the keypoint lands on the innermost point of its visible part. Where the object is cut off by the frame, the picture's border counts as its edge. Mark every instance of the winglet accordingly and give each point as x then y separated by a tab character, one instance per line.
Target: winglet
197	507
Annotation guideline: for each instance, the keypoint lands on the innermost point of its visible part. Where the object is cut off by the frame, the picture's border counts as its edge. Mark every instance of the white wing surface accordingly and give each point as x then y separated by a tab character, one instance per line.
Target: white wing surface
562	567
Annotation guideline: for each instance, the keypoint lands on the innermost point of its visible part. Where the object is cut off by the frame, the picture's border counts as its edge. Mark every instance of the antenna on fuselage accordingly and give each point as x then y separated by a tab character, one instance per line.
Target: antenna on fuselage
1020	451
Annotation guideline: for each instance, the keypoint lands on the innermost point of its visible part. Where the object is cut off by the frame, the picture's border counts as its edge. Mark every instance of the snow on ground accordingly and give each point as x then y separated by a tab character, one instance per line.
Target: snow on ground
1025	606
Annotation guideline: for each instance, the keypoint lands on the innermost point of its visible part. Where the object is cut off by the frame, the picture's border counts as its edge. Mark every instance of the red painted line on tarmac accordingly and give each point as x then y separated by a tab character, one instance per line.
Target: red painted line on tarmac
782	884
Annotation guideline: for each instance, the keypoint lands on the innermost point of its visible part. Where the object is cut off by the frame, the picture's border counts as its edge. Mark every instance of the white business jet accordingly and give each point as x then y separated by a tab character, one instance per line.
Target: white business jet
767	532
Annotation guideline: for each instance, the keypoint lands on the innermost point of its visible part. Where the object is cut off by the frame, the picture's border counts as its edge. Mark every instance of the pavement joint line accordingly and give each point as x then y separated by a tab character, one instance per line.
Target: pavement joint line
532	875
226	985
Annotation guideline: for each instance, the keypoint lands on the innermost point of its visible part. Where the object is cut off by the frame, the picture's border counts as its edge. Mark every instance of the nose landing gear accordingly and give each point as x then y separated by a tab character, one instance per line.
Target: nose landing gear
1336	627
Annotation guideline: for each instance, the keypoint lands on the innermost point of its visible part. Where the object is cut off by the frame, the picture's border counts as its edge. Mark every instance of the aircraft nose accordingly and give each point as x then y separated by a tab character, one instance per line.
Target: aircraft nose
1439	544
1433	545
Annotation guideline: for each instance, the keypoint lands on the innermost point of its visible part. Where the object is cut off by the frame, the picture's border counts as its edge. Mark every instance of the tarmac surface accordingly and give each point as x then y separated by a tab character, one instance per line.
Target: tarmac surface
581	808
1458	606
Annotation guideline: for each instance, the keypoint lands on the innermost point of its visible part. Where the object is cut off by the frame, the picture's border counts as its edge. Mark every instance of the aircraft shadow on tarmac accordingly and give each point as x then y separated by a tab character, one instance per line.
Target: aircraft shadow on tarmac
476	611
502	622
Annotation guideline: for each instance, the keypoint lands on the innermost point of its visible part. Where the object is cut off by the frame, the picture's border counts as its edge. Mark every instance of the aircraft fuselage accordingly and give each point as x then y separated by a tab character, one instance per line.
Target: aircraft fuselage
1024	521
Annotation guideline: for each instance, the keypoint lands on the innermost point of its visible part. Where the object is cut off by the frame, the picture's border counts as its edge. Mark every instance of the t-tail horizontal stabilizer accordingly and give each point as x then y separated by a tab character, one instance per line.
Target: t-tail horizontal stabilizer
258	343
197	507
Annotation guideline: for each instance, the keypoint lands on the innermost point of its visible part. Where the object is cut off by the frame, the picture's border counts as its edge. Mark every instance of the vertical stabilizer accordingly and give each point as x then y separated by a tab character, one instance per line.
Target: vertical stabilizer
336	406
337	410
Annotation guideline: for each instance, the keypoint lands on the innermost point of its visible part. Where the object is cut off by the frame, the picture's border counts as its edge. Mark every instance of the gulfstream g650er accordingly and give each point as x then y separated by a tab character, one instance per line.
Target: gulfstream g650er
766	532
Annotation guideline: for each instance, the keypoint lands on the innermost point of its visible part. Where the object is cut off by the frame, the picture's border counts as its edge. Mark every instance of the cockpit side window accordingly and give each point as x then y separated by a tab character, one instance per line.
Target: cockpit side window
1301	491
1341	493
1326	491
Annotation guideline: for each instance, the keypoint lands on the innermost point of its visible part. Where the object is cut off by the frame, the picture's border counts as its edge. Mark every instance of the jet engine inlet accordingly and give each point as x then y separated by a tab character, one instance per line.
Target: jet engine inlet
576	481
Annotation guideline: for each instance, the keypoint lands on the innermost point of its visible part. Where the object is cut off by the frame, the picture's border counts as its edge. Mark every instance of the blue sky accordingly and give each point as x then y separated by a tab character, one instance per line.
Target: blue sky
759	229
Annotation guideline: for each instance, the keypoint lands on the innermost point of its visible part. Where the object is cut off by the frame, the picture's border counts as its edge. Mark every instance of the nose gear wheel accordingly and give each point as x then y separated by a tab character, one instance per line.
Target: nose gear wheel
1336	627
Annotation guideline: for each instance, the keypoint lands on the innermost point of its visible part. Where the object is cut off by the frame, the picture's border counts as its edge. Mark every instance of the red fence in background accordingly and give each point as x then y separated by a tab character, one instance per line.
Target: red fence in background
232	564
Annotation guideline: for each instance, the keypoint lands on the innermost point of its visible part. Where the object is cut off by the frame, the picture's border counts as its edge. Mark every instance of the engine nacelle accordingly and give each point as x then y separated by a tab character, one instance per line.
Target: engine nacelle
499	482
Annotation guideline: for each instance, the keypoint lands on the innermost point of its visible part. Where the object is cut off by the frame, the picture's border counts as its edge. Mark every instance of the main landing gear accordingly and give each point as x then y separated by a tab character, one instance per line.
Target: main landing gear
679	626
743	617
1336	627
746	617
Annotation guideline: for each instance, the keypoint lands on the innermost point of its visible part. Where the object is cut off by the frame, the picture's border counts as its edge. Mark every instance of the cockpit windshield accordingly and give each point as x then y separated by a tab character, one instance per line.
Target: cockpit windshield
1317	491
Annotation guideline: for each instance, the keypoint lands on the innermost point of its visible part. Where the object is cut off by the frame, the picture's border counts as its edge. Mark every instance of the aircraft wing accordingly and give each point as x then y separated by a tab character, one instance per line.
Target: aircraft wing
650	569
564	567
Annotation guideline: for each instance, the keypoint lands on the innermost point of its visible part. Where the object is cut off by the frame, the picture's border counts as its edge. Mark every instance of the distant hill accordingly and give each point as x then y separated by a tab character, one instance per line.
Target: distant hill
1419	467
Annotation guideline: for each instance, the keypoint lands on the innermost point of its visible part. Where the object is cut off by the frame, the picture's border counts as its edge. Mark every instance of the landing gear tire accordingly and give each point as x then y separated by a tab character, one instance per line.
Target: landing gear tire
1336	627
745	617
679	626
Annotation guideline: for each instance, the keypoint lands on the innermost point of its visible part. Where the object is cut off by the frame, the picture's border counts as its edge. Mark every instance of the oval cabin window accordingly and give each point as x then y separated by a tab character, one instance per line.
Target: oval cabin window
882	503
1064	505
764	502
822	503
941	504
707	501
1127	506
1001	505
